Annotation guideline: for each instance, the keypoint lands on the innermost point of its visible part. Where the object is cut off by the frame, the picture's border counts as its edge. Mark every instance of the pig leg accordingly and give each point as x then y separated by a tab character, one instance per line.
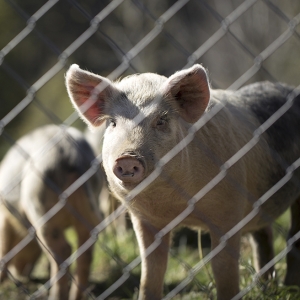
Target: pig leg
23	262
58	250
154	265
80	282
263	252
6	240
293	257
225	266
12	233
37	199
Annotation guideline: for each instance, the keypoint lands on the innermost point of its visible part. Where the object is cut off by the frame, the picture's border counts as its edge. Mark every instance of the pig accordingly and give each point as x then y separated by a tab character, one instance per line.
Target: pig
35	172
148	115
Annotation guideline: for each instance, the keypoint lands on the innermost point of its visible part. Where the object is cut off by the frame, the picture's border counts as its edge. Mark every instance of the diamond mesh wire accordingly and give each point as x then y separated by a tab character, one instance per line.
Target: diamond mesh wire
120	37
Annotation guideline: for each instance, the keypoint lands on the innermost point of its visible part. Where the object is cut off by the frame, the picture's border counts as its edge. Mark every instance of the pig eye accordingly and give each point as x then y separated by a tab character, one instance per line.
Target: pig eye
161	121
112	122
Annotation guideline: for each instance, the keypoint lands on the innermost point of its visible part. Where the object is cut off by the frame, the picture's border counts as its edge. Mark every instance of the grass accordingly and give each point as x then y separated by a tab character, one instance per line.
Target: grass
114	252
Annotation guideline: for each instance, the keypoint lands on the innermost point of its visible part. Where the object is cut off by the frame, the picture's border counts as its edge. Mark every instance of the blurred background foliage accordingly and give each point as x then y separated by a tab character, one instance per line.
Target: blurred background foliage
119	32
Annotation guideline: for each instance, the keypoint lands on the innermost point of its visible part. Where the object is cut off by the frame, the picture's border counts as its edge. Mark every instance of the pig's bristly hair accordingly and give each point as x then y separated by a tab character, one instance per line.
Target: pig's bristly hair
141	88
171	101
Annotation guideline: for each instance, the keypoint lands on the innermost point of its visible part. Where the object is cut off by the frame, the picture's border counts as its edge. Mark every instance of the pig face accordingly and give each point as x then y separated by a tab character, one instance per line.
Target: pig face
145	115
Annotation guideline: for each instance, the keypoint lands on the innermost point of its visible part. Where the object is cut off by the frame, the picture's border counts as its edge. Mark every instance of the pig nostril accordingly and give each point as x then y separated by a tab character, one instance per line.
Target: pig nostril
119	169
136	169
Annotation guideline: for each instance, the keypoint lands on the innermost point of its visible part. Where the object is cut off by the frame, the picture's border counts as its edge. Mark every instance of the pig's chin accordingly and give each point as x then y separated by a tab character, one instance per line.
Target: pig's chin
127	185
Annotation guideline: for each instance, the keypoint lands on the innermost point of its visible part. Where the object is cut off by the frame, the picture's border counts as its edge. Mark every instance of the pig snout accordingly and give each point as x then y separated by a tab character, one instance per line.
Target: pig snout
129	169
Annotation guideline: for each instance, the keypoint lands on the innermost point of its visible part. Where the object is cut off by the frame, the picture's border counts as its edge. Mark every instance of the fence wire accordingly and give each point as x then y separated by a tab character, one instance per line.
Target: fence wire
159	27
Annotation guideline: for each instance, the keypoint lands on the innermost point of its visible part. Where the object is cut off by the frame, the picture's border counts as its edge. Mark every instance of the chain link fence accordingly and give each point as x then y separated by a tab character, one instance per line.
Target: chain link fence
238	41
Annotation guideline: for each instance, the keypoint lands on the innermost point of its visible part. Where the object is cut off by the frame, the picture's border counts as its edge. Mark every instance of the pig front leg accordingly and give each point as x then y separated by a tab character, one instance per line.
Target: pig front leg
81	203
225	267
154	265
58	250
80	282
293	257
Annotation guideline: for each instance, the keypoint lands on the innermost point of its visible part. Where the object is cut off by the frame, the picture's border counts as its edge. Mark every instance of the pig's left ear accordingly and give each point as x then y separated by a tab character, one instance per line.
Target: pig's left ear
190	89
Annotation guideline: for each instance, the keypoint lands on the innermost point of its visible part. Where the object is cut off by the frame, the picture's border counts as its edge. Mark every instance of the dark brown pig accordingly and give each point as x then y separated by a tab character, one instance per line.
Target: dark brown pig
205	184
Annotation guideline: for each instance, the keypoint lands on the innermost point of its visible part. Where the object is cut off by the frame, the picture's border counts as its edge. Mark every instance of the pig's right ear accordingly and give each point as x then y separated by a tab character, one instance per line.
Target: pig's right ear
190	91
89	94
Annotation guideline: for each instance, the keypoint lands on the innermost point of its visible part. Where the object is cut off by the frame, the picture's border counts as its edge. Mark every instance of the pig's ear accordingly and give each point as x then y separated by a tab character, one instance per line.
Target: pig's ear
190	89
89	94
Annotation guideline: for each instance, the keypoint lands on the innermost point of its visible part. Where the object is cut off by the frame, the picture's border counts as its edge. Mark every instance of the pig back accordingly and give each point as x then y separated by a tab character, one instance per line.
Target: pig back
49	152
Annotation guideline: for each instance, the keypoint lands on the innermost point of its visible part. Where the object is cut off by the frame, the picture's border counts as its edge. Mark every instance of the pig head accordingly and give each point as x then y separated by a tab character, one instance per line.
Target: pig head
140	127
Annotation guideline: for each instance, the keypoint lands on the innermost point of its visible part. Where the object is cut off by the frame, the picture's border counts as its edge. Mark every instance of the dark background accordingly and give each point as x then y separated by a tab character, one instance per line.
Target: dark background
195	24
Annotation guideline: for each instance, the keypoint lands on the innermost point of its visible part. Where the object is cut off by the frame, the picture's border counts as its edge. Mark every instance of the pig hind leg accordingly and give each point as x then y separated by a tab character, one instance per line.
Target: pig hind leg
51	234
6	241
293	257
22	263
263	252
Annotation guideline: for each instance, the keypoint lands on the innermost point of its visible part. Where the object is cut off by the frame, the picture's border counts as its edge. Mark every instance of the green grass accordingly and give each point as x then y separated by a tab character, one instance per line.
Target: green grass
114	252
